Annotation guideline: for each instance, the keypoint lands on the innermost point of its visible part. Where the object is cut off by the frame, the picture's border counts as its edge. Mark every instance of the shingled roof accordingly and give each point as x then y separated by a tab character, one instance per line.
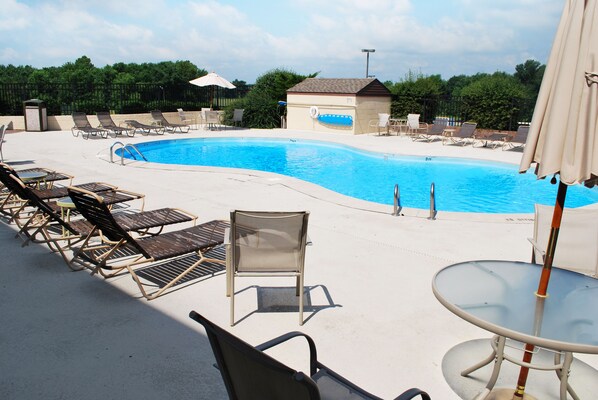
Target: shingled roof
367	87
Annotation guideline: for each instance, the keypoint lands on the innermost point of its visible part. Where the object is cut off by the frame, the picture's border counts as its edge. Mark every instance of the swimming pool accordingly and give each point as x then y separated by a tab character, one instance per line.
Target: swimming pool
460	184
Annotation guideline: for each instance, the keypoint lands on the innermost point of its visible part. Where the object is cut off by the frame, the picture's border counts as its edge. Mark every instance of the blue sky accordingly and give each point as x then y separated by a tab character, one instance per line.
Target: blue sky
242	39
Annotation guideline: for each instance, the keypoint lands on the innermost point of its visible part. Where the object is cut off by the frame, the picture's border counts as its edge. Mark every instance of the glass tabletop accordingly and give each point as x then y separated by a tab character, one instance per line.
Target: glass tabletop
499	296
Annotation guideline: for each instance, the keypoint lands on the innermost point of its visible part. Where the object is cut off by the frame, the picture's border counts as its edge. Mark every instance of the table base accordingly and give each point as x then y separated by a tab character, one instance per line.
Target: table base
540	384
506	394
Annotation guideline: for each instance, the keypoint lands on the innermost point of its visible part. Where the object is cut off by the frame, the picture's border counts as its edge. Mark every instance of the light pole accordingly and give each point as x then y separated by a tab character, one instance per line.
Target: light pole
367	62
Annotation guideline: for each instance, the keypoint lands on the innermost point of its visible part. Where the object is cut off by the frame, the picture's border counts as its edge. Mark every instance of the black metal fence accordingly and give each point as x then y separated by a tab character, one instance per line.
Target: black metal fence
63	99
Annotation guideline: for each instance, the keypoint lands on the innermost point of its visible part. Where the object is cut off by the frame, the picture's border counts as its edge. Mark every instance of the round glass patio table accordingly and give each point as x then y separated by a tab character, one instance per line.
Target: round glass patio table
499	296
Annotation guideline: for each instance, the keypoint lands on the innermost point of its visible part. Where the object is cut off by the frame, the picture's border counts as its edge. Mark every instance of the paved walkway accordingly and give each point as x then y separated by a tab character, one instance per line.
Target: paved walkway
67	335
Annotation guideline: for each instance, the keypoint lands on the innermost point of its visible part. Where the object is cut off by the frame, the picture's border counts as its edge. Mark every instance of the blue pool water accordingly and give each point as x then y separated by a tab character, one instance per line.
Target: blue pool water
460	184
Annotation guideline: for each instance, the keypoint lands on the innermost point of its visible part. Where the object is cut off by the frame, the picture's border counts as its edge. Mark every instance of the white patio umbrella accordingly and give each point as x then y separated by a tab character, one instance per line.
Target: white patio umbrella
212	79
563	136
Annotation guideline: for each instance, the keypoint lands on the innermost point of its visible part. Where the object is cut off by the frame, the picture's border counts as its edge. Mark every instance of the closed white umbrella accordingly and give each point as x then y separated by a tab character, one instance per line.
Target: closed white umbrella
212	79
563	136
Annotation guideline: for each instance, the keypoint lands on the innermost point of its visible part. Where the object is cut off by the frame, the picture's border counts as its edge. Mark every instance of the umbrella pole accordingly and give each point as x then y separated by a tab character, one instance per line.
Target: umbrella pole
557	216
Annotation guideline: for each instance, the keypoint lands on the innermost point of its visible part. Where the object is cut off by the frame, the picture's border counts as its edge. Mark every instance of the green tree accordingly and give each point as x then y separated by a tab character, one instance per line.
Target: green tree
494	101
261	103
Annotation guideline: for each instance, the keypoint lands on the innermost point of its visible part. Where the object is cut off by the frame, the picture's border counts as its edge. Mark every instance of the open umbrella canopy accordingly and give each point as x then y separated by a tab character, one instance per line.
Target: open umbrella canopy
212	79
563	136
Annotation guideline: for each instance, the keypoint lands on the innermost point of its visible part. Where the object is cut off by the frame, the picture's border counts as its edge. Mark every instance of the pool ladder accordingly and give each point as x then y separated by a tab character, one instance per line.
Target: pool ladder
125	147
397	202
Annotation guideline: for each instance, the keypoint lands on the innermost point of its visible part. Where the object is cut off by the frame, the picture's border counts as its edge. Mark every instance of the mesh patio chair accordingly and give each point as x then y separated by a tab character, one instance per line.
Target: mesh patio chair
83	127
106	122
160	120
382	123
120	251
264	243
249	373
238	117
144	129
516	141
577	246
463	135
187	118
436	131
213	120
414	127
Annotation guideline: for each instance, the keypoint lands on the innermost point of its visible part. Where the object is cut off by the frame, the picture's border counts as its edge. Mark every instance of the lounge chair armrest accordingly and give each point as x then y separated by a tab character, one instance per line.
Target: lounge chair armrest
411	393
189	214
313	356
226	236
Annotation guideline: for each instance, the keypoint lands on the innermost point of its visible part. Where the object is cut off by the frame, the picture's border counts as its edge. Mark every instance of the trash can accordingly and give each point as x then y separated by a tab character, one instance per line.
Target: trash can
36	115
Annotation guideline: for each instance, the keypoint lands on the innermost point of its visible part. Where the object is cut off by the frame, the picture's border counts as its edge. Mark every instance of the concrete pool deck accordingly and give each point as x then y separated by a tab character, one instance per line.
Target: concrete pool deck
373	315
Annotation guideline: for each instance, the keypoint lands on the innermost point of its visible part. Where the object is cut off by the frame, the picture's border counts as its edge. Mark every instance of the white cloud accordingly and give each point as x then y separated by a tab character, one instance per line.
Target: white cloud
440	36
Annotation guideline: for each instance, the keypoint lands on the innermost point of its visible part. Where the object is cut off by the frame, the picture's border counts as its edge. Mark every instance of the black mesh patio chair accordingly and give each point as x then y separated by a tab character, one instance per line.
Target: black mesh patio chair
83	127
121	251
250	374
106	122
160	120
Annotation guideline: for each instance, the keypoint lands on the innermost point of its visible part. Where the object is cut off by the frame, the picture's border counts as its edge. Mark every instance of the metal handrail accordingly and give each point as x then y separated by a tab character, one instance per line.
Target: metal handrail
125	147
433	210
397	204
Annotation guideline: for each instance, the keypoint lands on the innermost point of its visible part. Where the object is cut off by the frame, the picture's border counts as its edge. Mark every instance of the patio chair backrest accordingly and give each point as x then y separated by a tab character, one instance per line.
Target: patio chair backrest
250	374
577	244
439	126
212	117
80	120
467	129
383	119
413	121
105	119
158	116
268	242
521	134
238	114
93	208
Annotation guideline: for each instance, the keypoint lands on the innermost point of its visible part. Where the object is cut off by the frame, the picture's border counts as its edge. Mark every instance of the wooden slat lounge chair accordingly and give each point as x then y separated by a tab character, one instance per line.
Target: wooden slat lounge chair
249	373
144	129
106	122
50	226
83	127
436	131
462	136
264	243
108	260
160	120
16	207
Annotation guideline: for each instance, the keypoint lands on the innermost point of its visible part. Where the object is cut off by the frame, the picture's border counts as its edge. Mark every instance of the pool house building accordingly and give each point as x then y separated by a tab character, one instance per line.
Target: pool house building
336	105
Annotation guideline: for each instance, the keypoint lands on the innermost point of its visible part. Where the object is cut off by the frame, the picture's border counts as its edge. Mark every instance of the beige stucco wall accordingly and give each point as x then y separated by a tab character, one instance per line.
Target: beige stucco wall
361	109
65	122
